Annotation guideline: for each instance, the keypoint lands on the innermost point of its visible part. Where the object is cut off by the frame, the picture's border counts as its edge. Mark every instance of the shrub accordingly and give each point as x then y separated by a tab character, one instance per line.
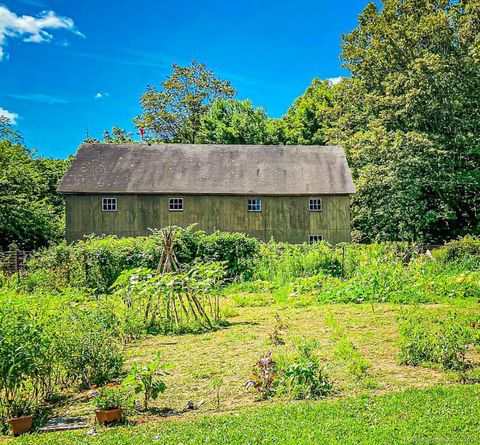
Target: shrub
20	342
281	263
47	345
305	378
97	262
236	250
89	348
465	250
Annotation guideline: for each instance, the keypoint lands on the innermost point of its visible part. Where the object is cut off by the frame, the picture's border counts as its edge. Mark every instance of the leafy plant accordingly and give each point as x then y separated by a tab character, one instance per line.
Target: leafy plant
110	397
437	339
174	301
263	377
144	380
305	378
275	337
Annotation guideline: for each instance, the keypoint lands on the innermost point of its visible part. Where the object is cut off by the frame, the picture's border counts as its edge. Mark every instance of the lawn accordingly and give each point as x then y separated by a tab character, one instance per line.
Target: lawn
433	415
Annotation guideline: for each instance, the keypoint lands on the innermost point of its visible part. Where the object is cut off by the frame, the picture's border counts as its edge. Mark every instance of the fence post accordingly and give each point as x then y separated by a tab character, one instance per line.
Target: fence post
17	265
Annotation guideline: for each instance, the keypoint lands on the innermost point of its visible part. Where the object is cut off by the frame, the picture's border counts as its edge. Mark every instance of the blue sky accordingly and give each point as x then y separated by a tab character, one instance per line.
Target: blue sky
87	62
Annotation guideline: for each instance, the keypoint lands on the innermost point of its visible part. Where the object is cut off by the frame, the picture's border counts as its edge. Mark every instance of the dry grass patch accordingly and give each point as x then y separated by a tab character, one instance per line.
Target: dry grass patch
229	354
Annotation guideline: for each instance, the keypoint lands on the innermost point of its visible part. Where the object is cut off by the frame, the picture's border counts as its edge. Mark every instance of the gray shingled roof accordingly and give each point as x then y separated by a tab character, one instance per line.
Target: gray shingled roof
208	169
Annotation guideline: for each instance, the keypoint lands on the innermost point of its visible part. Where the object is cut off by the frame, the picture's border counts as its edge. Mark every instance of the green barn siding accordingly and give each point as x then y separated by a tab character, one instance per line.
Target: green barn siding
285	218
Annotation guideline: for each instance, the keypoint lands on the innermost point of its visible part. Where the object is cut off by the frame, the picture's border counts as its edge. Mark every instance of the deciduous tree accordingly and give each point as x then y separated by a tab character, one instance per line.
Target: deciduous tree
409	119
234	122
173	112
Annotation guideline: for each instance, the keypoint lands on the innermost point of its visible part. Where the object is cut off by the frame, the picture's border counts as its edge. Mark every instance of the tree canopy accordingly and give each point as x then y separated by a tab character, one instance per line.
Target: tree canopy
173	113
234	122
408	116
409	119
31	212
310	116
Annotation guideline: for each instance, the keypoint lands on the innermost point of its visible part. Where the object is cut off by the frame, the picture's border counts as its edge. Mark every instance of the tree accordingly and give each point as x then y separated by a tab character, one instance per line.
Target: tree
7	133
408	118
234	122
31	212
173	113
116	136
310	115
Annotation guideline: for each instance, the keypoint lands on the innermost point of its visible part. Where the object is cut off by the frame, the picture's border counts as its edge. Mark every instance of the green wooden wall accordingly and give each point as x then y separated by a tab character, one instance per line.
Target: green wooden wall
285	218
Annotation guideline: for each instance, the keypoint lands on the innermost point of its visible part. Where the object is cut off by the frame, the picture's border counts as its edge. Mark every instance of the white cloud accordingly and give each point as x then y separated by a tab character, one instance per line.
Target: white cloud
100	95
335	80
31	29
12	117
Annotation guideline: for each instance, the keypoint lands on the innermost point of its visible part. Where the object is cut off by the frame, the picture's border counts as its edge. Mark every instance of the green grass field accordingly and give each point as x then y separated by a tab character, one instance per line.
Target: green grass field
415	416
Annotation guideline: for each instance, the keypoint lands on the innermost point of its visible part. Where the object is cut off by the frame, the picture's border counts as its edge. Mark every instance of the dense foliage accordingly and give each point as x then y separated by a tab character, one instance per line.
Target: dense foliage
383	272
443	339
50	344
96	263
310	116
408	119
235	122
31	212
174	113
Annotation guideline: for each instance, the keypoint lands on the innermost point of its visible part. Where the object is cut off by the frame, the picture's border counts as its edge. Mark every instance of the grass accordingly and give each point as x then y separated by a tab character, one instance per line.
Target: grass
229	354
433	415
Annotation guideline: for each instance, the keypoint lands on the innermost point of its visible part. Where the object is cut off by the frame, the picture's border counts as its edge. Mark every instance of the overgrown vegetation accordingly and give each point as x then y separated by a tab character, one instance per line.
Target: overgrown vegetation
442	339
96	263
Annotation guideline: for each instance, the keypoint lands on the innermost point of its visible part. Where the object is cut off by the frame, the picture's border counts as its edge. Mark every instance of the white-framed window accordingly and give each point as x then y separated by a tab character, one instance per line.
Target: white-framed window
109	204
314	238
175	204
254	205
315	205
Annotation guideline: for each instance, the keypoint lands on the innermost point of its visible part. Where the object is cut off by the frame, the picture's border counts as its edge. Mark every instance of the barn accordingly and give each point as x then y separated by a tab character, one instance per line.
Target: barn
294	194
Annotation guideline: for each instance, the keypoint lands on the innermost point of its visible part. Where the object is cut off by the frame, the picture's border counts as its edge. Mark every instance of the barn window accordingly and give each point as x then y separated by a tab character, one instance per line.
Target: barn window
314	239
315	205
109	204
176	204
254	205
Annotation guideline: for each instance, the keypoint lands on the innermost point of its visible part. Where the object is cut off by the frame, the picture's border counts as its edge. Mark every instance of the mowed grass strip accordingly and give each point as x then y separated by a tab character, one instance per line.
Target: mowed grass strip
433	415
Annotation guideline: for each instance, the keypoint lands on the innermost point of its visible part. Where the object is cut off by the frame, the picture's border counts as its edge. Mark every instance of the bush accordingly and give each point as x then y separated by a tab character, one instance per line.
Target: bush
305	378
89	349
48	344
235	249
437	339
465	250
97	262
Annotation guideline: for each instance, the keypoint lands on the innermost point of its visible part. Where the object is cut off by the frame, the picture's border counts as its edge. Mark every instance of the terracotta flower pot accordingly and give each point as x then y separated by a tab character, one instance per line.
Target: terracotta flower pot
107	416
21	425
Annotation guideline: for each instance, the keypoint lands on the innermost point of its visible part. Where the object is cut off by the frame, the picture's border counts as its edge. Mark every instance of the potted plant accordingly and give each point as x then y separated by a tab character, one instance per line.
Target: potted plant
109	403
20	414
